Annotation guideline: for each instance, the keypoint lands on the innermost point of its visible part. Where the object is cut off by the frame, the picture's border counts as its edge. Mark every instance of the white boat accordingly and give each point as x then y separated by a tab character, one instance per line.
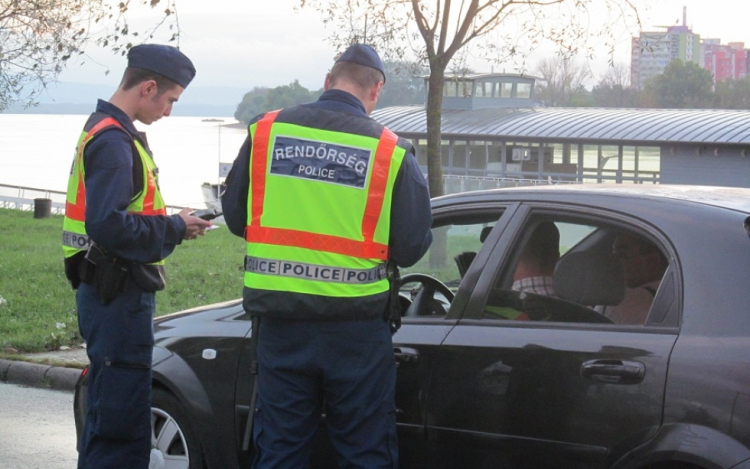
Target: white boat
212	191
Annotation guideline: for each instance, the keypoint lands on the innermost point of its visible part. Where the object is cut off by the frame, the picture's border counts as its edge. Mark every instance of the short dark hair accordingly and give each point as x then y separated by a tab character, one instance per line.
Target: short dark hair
134	76
544	244
362	76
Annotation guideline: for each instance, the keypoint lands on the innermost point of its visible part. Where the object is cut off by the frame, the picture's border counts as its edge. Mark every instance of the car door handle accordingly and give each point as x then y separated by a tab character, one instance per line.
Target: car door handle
614	371
405	355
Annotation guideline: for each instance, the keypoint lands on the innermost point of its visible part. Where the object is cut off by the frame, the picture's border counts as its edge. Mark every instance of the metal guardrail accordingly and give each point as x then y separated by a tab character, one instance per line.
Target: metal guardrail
23	198
453	183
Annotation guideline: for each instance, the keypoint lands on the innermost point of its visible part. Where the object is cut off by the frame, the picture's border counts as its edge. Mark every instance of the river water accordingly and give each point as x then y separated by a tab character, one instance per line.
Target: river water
36	150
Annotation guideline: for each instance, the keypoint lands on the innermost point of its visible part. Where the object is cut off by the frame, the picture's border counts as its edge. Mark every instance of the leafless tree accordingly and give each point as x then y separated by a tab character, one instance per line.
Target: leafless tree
561	79
616	75
39	37
438	32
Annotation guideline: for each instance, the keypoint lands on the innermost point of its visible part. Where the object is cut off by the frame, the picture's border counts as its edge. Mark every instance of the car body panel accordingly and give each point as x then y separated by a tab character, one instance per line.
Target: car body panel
479	393
203	370
522	389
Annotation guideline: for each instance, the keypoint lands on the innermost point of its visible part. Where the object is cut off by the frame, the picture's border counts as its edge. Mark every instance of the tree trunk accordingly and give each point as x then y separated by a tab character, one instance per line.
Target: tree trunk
438	250
434	114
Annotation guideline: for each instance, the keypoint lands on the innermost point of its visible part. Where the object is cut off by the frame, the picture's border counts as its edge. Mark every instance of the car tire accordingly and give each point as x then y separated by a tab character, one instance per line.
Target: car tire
173	441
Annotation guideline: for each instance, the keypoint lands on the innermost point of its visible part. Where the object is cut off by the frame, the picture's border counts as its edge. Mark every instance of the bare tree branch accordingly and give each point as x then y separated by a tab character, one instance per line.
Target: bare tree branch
39	37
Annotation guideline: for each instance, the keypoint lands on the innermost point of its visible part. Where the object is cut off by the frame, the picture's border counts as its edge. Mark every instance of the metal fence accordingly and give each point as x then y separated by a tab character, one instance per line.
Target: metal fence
454	184
25	198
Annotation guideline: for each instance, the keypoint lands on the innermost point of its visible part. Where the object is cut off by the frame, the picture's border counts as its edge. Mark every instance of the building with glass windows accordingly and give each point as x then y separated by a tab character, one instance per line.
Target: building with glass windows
494	136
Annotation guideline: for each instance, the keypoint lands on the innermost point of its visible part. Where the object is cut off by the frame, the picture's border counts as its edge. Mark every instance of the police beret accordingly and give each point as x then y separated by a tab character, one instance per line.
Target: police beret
363	54
167	61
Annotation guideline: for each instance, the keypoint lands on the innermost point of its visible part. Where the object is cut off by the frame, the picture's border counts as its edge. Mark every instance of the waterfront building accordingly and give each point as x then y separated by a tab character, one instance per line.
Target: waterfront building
494	135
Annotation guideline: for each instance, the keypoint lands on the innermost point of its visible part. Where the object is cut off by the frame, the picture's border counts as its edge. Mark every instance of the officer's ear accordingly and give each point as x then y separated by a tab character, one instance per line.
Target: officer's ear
327	82
375	91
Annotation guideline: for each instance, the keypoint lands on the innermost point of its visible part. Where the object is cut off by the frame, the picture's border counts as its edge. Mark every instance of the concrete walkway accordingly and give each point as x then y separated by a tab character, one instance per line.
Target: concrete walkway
63	375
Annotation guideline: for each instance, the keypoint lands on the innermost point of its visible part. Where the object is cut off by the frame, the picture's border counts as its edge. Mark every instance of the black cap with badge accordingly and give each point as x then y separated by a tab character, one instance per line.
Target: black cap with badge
167	61
362	54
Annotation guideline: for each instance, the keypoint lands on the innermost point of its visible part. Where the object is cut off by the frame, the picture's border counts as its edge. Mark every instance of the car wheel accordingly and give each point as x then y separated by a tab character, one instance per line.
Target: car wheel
173	441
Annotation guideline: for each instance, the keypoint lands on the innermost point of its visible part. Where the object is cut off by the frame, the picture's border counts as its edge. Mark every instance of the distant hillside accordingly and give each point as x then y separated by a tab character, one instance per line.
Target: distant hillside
80	98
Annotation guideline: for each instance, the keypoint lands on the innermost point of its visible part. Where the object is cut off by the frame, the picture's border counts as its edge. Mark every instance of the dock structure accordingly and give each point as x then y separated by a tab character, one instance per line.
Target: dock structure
492	128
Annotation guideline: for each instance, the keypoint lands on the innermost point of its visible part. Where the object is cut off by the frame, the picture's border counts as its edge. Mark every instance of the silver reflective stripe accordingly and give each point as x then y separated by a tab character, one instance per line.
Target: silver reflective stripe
76	241
320	273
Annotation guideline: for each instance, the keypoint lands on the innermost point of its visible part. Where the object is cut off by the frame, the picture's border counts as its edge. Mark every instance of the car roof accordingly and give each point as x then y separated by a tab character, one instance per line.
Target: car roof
732	198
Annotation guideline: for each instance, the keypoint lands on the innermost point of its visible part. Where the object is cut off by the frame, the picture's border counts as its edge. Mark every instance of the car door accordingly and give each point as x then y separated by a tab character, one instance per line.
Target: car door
458	237
549	393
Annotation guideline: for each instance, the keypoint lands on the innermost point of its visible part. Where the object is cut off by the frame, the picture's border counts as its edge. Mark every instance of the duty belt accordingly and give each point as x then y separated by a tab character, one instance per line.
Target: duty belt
76	240
320	273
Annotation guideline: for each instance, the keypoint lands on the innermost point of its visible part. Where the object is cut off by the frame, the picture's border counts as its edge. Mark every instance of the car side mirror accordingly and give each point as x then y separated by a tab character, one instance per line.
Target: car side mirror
747	225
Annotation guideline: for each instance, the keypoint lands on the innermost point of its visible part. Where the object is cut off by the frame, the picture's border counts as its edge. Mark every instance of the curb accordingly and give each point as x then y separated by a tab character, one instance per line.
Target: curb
40	376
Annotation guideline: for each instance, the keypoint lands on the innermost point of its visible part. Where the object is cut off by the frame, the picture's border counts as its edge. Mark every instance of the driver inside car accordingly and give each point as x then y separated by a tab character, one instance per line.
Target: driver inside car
534	270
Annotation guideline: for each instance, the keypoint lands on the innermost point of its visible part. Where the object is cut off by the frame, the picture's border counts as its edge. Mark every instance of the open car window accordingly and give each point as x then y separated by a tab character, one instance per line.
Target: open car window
456	241
427	289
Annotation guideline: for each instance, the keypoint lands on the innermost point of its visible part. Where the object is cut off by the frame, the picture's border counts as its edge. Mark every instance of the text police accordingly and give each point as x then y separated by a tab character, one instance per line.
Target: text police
320	161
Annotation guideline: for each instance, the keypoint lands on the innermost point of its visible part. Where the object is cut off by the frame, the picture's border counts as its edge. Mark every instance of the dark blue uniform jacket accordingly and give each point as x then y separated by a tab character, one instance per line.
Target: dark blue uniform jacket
109	163
410	215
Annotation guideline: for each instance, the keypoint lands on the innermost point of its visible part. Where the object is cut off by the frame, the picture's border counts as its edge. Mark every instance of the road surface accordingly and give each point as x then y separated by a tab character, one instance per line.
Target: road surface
37	430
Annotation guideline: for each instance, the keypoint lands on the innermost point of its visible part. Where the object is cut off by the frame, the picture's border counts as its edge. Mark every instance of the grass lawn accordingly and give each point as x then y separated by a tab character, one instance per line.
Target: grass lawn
37	305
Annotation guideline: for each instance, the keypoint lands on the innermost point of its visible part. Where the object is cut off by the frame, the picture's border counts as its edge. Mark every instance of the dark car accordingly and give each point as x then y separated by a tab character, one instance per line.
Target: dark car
492	377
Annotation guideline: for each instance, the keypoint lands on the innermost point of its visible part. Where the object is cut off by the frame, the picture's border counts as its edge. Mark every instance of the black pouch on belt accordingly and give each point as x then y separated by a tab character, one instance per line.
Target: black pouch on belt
110	275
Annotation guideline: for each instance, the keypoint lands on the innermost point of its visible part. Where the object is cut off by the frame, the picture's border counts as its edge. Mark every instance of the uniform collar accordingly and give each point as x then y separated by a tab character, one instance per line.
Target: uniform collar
347	99
108	108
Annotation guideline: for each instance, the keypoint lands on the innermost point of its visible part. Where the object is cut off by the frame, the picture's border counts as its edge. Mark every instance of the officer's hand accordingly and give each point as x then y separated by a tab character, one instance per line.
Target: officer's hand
194	226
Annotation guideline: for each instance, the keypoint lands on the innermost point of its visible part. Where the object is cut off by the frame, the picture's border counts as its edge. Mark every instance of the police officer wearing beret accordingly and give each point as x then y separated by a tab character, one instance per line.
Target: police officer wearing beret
116	235
326	197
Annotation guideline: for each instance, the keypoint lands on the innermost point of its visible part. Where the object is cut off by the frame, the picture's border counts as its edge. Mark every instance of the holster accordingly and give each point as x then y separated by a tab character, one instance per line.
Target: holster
393	309
78	269
110	273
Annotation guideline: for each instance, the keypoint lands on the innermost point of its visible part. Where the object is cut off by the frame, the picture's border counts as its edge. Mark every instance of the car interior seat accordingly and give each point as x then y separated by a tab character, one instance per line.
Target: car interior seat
590	278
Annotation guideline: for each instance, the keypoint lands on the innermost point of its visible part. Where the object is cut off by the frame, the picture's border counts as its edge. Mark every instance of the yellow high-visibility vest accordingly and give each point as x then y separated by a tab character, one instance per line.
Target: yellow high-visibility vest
147	202
319	208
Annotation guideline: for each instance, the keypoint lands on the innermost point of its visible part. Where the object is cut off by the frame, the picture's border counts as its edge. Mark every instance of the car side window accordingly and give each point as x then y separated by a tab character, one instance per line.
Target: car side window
454	246
582	271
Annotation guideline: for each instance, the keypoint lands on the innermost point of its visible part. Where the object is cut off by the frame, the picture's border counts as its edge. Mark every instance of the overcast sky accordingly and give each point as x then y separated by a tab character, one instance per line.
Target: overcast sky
248	43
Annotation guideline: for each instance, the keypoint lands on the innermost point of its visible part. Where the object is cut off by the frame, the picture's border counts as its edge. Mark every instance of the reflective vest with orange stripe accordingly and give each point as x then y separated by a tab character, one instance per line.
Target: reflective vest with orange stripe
146	202
319	208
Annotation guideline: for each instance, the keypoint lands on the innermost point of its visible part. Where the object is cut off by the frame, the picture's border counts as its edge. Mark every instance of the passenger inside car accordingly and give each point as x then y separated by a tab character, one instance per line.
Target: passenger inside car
644	266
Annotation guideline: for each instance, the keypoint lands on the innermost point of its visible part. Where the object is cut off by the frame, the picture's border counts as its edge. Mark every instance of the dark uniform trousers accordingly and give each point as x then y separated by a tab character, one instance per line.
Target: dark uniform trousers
349	366
119	340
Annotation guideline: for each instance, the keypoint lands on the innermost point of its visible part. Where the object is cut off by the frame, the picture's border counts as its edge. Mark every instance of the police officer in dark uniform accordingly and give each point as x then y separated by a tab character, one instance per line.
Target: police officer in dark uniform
326	198
116	236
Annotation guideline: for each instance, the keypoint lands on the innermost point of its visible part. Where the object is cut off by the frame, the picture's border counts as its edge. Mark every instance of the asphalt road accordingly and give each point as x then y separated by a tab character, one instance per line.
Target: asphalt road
37	430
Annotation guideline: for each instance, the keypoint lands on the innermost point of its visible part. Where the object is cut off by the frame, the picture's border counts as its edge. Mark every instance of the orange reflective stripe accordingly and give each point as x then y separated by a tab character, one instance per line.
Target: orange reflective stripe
148	200
378	182
77	211
367	249
260	163
317	242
